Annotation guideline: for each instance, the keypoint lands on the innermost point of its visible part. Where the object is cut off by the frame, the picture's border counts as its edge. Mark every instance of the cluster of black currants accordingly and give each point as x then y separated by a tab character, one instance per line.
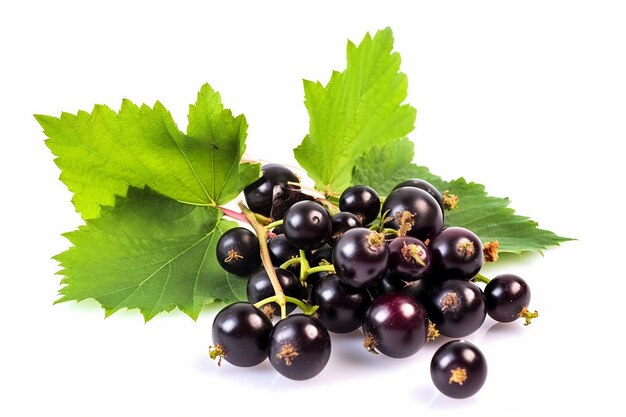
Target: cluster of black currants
391	268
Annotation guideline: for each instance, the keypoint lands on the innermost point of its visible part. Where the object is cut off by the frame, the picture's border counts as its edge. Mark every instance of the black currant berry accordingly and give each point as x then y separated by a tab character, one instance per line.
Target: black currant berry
241	334
299	347
238	251
458	369
457	254
307	225
409	257
456	307
322	256
260	287
281	250
420	290
423	185
362	201
507	297
259	194
342	222
413	211
360	257
395	325
390	282
341	308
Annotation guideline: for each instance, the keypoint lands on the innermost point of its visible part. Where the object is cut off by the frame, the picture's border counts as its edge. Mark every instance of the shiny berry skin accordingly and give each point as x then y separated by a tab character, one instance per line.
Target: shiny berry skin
425	213
424	185
299	347
238	251
260	287
390	282
259	194
458	369
409	257
420	290
342	222
456	307
322	256
360	257
307	225
362	201
457	254
341	308
395	325
505	296
241	332
281	250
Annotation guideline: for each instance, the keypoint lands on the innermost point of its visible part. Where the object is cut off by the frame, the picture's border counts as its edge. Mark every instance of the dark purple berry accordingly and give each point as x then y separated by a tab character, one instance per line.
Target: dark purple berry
409	257
241	334
395	325
457	254
414	210
362	201
342	222
458	369
507	297
360	257
456	307
341	308
307	225
238	251
259	194
299	347
390	282
423	185
260	287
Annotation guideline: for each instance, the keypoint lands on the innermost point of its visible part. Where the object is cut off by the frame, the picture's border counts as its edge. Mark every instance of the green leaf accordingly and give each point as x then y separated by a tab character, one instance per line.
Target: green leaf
150	253
102	153
358	109
489	217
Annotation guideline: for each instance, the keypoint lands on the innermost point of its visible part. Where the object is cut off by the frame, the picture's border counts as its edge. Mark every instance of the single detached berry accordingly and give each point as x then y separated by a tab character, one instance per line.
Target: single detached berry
424	185
259	194
299	347
409	257
456	307
307	225
458	369
260	287
341	308
457	254
413	212
362	201
507	297
395	325
238	251
360	257
241	334
342	222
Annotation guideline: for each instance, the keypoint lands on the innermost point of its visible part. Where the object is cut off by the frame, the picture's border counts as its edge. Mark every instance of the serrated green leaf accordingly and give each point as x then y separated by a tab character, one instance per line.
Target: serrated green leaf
489	217
358	109
150	253
102	153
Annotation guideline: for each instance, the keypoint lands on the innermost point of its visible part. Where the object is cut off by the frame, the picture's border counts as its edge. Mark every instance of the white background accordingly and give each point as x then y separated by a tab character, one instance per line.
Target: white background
527	97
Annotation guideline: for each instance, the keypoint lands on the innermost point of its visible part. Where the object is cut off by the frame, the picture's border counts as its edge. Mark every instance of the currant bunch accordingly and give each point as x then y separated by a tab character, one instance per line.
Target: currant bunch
390	267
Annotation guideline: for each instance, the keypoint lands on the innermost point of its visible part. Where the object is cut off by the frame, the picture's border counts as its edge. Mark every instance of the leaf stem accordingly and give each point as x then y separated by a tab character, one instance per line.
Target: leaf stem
265	257
242	218
320	268
481	278
306	309
274	224
304	266
290	262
